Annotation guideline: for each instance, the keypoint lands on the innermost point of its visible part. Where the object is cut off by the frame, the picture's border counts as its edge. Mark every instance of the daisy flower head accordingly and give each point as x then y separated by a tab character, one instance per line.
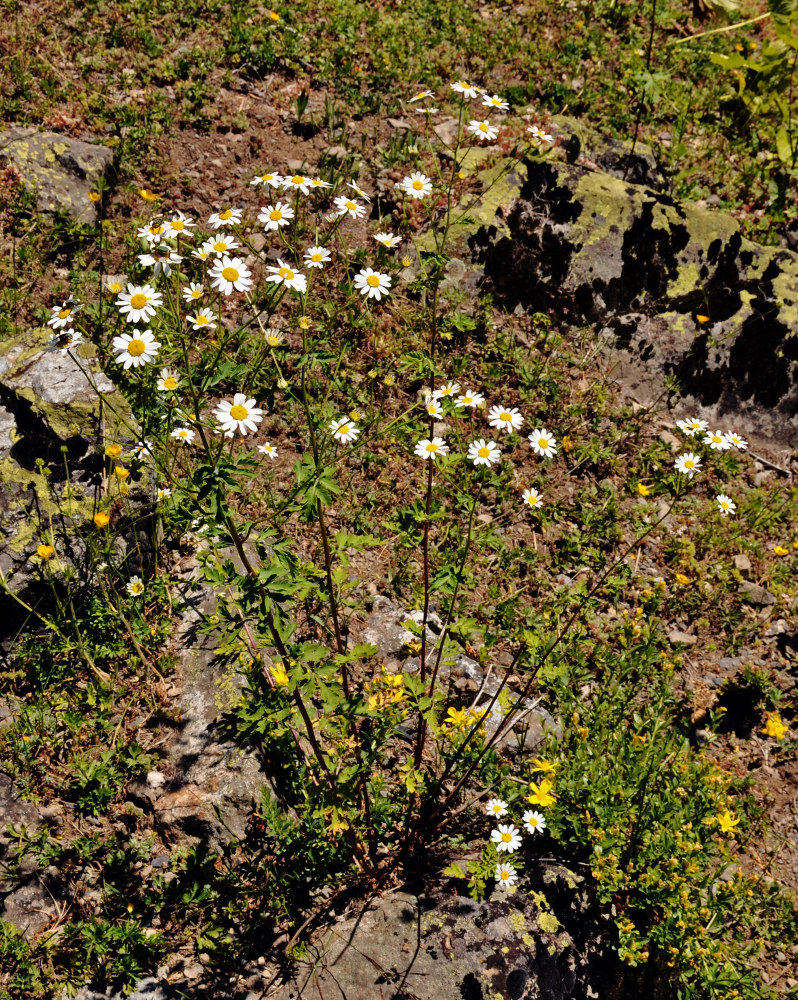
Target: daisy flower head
230	274
203	319
64	340
358	190
142	450
543	443
388	239
483	130
275	216
539	135
225	217
193	292
374	284
297	182
505	419
269	450
63	315
163	494
282	274
505	875
138	303
183	434
688	464
152	233
465	88
495	807
167	381
482	452
735	441
160	259
317	182
534	822
446	391
344	430
267	180
317	257
134	586
469	399
533	499
420	96
178	224
429	449
273	338
494	102
416	185
345	206
433	408
725	504
692	426
136	349
241	415
220	244
716	440
506	838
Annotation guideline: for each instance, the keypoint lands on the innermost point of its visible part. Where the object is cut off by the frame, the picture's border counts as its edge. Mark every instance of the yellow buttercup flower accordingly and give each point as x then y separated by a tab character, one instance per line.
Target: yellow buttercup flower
280	676
643	490
774	726
543	765
682	579
45	552
101	519
147	195
113	450
780	550
121	472
94	196
541	795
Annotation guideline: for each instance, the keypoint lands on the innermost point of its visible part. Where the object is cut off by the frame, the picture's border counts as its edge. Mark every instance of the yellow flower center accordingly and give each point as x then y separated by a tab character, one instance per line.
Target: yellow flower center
201	320
417	185
432	447
507	417
689	464
156	230
373	280
220	246
483	127
505	874
226	214
115	288
297	179
138	301
465	84
239	412
506	838
230	274
177	224
275	214
483	452
286	273
170	382
533	822
351	205
316	258
543	442
136	348
343	429
63	313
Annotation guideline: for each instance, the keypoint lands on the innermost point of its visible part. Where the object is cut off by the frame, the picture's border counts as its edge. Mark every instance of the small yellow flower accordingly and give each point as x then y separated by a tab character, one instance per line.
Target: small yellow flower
541	795
147	195
113	450
795	544
727	822
280	676
115	288
45	552
304	323
780	550
638	739
389	380
543	765
121	472
355	416
273	15
682	579
462	174
702	319
582	732
774	726
94	196
643	490
129	907
101	519
567	443
406	262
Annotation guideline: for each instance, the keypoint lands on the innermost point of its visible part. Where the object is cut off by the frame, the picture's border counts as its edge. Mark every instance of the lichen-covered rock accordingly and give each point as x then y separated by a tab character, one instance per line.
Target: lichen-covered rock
57	412
59	170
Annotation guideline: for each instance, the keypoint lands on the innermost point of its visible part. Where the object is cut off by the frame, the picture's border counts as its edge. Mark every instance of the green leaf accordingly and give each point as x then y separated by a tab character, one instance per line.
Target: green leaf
784	147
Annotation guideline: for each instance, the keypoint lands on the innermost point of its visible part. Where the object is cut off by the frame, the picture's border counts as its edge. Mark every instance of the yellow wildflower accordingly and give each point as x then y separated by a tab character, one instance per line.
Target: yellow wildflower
774	726
45	552
543	765
682	579
280	676
780	550
147	195
727	822
567	443
541	794
643	490
94	196
101	519
113	450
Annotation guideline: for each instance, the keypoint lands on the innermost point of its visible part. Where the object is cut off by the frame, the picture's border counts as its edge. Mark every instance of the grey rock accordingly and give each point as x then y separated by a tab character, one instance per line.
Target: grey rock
582	145
754	594
676	637
59	170
779	627
14	811
742	564
730	662
385	628
30	908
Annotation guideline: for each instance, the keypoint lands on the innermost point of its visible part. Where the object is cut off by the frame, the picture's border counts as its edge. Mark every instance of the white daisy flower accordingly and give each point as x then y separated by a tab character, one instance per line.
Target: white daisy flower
716	440
201	253
138	303
220	244
692	426
160	259
388	239
344	430
317	257
269	450
494	102
483	130
506	838
433	408
241	415
227	217
142	450
275	216
163	494
193	292
153	233
534	822
136	349
267	179
134	586
297	182
358	190
345	206
543	443
505	419
725	504
469	399
374	284
285	275
735	441
505	875
495	807
64	340
482	452
688	464
317	182
420	96
446	391
229	274
63	315
465	88
533	498
416	185
273	338
428	448
178	224
167	381
203	318
184	434
539	135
